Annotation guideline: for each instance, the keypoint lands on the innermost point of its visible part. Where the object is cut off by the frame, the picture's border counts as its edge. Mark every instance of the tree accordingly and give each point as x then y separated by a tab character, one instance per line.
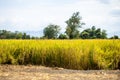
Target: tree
114	37
104	34
98	33
85	35
27	36
63	36
93	33
73	24
19	35
24	36
4	34
51	31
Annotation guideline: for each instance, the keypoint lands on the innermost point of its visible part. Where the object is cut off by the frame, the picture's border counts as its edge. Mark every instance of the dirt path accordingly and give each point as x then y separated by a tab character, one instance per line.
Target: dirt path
11	72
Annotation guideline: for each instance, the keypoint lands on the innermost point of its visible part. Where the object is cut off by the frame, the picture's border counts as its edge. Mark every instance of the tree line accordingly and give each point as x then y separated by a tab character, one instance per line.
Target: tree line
72	31
4	34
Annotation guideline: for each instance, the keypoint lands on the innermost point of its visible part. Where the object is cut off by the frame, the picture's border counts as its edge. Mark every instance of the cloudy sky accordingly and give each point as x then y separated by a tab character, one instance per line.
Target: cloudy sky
34	15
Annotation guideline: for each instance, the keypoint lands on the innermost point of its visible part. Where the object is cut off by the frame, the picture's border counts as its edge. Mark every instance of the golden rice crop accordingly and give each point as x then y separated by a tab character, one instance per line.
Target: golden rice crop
73	54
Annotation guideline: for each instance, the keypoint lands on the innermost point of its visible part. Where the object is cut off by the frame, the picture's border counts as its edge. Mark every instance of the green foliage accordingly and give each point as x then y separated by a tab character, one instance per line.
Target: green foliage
93	33
51	31
73	24
4	34
63	36
104	34
114	37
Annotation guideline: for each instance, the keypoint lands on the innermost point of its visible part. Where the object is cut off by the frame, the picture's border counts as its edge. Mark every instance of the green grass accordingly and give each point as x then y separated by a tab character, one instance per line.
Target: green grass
71	54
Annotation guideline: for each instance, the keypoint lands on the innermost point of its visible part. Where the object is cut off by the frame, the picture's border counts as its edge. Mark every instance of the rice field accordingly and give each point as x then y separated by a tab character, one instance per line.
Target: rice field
71	54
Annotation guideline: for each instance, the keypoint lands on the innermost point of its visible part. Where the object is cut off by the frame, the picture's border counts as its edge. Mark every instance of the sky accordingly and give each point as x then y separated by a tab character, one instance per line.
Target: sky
35	15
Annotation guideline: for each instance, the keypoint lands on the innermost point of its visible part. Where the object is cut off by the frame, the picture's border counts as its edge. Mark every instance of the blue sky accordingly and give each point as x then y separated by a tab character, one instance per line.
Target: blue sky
34	15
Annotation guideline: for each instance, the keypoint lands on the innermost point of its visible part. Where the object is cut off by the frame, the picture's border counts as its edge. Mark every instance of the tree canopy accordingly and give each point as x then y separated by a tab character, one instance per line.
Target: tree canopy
51	31
73	25
63	36
93	33
4	34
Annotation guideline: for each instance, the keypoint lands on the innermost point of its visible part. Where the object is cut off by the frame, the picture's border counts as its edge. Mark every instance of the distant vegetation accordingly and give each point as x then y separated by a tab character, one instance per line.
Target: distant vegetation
72	31
93	33
72	54
4	34
51	31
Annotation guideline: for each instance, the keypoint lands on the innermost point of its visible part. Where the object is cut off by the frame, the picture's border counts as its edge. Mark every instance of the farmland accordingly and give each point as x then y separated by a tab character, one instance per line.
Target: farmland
70	54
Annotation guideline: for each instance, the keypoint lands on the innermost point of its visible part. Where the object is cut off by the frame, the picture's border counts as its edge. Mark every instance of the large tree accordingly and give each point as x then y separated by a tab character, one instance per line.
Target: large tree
73	25
51	31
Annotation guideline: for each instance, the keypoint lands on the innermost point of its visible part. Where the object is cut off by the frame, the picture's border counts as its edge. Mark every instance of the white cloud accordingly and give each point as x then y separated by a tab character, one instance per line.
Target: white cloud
34	15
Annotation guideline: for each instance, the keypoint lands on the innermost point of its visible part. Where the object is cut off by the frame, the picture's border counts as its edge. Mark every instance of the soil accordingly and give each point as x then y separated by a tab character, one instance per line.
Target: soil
30	72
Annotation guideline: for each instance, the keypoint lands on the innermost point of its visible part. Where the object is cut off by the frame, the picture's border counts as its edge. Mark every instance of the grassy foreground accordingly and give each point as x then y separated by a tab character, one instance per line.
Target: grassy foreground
73	54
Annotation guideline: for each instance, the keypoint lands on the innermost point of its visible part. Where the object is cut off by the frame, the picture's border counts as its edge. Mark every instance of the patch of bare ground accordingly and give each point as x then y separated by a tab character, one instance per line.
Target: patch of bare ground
30	72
